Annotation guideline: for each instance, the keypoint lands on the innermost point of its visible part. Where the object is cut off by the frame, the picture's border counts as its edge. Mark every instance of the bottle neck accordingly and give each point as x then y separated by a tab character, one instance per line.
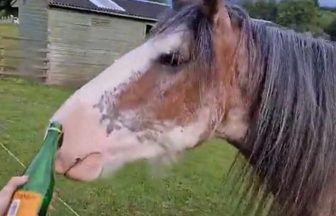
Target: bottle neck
48	149
50	143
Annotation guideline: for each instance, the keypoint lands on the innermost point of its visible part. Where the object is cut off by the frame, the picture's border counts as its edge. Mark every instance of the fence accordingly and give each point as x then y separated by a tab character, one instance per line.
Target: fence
9	20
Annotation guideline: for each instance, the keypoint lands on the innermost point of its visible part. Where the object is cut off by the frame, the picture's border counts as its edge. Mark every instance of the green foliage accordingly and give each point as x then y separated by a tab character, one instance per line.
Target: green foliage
300	15
326	17
5	7
262	9
297	14
331	30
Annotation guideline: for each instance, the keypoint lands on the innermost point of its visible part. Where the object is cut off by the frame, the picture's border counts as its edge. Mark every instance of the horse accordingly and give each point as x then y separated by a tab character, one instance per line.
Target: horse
209	70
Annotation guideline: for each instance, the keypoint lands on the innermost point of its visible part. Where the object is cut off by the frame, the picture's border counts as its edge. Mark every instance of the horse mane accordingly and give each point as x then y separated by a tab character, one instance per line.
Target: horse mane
294	115
291	82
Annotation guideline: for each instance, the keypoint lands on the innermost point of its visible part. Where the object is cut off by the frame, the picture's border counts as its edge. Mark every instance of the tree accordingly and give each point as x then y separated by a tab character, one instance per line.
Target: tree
331	30
298	14
261	9
6	7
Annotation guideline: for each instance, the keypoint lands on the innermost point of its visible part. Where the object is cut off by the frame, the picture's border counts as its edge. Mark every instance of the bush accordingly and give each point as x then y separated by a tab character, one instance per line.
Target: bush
297	14
261	9
331	30
300	15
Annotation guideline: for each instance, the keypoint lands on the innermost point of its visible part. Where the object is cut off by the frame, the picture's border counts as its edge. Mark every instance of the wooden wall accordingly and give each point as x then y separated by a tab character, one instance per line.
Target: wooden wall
33	32
81	45
10	54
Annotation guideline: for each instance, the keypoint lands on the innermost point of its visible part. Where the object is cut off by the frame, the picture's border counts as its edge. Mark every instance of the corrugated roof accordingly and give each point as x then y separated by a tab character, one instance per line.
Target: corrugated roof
132	8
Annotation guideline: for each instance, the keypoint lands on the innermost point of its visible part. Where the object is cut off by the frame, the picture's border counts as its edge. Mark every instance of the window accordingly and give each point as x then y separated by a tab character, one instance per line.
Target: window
148	30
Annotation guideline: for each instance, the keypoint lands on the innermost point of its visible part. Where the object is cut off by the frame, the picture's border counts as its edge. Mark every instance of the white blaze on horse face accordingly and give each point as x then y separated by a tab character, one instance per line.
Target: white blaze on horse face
85	136
166	145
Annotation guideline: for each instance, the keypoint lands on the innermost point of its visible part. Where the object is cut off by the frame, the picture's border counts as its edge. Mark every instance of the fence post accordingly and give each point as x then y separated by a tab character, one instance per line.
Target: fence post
2	51
9	20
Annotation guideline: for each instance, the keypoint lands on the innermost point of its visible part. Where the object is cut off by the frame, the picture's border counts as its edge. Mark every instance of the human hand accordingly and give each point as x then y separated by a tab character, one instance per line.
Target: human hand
7	192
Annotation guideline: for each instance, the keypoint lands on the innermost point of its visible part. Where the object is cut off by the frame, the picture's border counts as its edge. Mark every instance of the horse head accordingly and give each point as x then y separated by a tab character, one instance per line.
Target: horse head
209	70
170	94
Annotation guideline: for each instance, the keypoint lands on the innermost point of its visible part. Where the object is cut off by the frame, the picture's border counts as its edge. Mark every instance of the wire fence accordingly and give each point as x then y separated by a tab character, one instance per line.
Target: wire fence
11	154
9	20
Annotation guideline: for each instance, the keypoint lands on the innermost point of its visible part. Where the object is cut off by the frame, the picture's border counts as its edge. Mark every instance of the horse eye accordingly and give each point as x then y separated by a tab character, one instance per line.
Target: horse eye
171	59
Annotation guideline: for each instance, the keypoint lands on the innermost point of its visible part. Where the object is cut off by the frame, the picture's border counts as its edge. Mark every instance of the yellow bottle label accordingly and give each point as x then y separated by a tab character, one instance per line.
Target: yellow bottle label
25	203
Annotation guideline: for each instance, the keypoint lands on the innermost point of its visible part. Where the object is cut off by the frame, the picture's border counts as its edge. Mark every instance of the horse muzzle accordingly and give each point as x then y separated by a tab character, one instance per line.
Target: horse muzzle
87	169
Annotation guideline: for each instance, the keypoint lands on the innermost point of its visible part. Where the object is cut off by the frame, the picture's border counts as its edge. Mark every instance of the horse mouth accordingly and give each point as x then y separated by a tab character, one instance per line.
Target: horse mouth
87	168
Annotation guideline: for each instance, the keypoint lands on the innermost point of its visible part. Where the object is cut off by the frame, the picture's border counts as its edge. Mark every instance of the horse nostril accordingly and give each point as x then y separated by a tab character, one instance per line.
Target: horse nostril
77	160
60	142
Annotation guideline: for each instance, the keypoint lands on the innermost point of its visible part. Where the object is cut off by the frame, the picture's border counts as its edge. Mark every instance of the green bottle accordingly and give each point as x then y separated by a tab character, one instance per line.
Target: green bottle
34	197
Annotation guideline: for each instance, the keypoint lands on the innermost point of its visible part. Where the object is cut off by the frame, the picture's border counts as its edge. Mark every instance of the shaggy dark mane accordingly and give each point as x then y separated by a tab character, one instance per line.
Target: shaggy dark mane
293	130
292	84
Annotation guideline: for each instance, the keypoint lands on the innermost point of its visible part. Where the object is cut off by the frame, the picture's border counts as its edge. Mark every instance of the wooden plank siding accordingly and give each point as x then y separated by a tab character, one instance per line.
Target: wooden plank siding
10	54
33	31
81	45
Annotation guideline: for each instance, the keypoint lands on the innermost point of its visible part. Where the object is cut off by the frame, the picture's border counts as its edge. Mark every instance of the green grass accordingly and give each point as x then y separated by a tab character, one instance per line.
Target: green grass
193	186
9	29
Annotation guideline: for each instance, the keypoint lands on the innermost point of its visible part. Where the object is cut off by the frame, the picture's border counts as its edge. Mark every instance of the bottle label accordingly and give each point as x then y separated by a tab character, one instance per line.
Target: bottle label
25	203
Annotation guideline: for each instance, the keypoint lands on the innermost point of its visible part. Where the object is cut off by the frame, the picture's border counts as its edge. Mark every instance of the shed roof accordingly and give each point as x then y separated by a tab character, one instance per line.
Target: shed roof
15	3
133	9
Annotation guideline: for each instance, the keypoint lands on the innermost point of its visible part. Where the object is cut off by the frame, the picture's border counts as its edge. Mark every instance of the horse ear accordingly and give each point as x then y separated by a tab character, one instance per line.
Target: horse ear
217	13
210	8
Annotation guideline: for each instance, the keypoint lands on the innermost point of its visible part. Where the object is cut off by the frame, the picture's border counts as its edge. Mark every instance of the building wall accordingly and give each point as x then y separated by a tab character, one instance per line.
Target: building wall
33	37
82	45
9	49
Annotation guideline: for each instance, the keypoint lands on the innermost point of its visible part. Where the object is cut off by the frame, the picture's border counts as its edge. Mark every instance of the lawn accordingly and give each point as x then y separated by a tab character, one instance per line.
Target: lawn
193	186
10	30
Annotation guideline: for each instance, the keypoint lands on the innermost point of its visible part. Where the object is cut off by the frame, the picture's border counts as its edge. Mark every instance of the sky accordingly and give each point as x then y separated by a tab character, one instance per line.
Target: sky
328	3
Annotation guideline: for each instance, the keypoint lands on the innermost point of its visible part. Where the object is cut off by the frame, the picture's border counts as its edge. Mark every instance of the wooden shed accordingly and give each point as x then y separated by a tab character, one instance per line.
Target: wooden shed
68	42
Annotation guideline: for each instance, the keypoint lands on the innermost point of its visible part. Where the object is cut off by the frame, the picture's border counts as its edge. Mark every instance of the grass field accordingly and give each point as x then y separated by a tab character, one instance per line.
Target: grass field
9	30
193	186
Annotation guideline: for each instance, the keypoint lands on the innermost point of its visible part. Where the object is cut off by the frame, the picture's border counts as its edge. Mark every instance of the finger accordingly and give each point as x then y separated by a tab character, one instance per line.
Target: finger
15	182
